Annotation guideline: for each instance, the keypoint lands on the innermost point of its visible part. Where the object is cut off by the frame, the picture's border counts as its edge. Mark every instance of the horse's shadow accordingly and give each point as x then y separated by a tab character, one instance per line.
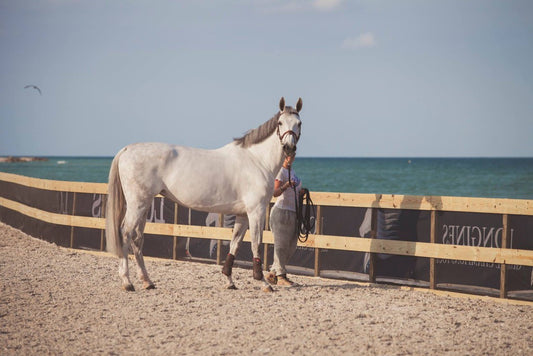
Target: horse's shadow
343	286
349	286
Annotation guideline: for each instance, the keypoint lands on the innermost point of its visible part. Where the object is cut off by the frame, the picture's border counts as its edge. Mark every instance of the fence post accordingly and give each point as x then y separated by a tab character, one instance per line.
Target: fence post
503	266
102	215
219	243
175	242
432	237
373	234
72	227
318	231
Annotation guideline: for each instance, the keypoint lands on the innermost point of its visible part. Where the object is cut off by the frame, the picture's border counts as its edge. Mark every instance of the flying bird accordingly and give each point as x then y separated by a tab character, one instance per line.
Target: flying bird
34	87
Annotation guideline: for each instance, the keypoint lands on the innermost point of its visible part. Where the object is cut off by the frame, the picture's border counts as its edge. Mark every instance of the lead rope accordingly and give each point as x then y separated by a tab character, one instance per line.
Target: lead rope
304	206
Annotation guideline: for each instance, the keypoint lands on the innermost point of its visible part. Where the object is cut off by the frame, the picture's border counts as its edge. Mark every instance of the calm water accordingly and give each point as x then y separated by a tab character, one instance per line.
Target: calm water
469	177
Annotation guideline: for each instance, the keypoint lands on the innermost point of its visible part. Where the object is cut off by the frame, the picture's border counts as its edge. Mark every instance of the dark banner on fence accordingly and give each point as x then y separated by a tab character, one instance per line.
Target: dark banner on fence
483	230
469	229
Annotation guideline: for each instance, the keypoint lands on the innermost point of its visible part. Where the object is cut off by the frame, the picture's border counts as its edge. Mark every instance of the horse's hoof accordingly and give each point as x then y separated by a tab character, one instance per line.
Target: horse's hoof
148	286
272	278
268	289
257	269
128	287
228	265
232	286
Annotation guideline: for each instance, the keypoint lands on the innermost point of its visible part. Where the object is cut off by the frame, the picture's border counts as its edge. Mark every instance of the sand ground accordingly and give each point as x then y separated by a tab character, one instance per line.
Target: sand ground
60	301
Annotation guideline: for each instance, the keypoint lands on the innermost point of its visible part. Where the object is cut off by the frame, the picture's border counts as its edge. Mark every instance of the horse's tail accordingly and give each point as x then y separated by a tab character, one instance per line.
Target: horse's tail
115	210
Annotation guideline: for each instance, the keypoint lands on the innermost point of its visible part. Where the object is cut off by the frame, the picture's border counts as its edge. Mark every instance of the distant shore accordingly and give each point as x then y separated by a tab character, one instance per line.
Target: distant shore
12	159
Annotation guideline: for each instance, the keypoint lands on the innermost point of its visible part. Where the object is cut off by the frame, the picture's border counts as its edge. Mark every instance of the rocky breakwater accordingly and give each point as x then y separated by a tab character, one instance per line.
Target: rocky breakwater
12	159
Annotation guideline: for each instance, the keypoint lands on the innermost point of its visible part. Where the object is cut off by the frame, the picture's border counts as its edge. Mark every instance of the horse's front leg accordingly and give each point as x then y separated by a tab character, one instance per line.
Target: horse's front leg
239	229
257	225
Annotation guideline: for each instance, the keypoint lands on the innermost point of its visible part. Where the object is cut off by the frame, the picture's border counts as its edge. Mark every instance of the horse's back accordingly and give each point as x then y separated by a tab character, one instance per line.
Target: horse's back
141	166
138	153
198	178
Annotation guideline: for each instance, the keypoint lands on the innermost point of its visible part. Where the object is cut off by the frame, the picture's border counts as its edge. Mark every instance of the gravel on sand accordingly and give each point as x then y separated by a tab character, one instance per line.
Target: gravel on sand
55	300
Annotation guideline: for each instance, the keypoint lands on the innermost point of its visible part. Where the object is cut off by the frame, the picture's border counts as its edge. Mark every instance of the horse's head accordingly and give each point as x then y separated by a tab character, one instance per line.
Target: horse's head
289	125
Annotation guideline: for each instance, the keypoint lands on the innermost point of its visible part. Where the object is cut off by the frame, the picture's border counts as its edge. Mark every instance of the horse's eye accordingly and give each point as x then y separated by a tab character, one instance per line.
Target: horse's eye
299	124
279	123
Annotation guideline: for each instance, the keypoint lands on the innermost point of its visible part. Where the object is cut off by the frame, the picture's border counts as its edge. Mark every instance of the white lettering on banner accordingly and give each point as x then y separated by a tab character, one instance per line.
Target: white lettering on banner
476	264
97	206
480	236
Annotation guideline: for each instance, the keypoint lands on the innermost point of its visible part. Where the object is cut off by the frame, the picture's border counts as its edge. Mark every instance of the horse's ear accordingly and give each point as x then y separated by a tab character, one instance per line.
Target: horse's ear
299	105
282	104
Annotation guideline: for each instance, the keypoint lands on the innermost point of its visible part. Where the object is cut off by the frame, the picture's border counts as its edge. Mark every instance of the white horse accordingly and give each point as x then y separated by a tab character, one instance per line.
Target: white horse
237	178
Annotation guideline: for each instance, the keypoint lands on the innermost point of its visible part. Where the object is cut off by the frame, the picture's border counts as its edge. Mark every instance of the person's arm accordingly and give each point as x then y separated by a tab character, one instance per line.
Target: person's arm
279	188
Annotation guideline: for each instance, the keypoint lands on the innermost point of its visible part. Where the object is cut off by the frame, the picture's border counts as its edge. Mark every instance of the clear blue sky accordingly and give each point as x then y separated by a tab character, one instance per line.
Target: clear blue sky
377	78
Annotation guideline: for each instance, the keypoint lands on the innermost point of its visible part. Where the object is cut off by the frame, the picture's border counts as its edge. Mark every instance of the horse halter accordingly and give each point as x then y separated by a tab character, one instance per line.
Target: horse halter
288	132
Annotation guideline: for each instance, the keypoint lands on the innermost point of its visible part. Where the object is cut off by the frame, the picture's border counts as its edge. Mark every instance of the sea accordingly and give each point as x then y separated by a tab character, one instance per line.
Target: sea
460	177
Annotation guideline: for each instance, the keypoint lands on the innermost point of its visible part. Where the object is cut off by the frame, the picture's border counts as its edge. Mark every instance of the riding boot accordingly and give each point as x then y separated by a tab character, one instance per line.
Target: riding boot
228	265
284	281
257	269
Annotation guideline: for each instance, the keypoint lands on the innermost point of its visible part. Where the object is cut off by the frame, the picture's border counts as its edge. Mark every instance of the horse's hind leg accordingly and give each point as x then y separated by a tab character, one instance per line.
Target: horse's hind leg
138	242
132	230
123	270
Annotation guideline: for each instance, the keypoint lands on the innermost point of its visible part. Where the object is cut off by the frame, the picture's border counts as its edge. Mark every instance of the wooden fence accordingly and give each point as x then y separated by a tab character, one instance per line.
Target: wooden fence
504	207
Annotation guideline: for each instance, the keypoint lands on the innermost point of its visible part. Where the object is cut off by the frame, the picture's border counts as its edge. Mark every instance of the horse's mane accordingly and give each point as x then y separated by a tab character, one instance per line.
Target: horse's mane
261	133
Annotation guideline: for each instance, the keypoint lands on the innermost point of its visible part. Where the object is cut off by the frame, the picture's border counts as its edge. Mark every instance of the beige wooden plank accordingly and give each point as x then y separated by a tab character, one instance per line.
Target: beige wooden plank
53	218
423	249
57	185
200	232
444	203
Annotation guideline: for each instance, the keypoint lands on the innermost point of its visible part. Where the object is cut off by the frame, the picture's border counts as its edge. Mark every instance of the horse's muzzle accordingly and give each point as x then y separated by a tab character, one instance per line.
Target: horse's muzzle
288	141
289	149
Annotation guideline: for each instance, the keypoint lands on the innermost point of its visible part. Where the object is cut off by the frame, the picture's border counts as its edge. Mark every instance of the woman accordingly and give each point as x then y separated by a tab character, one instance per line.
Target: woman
283	221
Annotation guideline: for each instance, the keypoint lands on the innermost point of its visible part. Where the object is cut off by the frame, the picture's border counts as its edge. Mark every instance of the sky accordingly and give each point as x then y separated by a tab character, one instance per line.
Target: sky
382	78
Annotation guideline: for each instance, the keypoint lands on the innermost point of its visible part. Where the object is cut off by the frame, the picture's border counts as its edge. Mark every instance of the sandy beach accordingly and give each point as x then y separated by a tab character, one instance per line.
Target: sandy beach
60	301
